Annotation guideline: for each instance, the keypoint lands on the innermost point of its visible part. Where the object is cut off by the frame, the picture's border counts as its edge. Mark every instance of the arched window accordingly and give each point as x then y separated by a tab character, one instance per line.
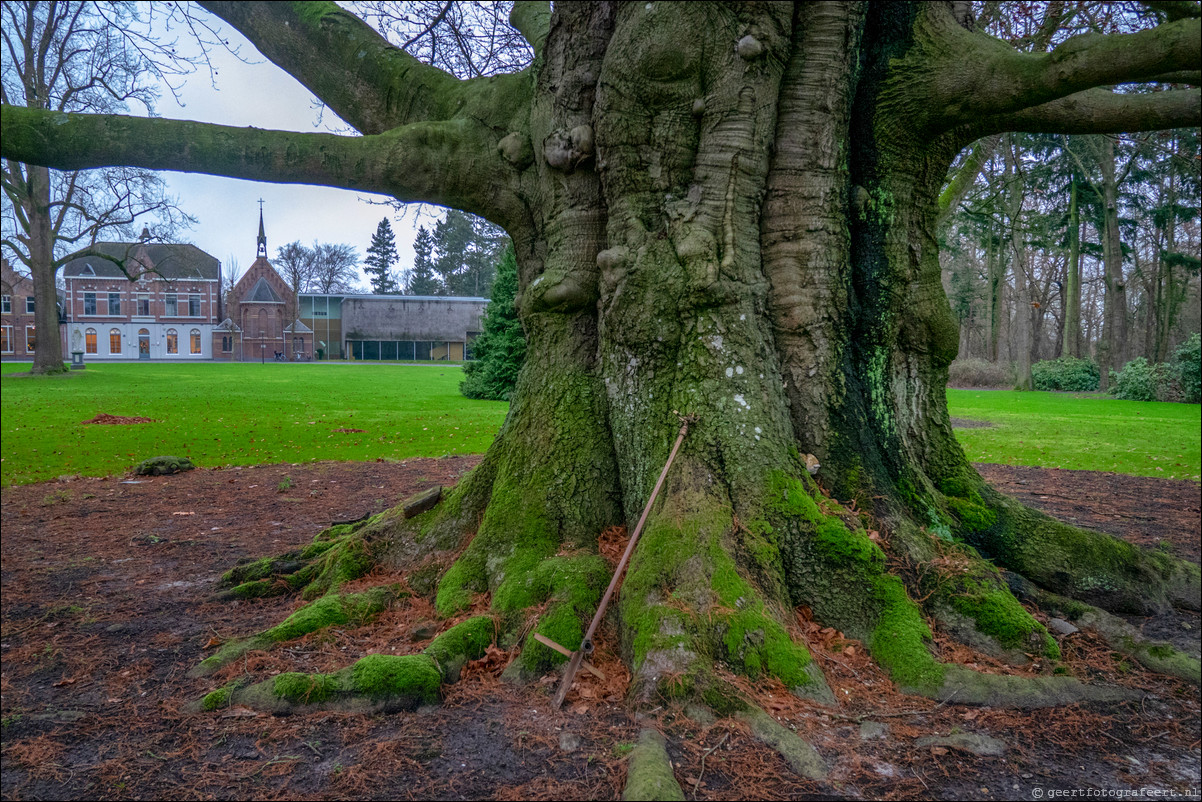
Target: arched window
194	340
89	341
172	341
114	341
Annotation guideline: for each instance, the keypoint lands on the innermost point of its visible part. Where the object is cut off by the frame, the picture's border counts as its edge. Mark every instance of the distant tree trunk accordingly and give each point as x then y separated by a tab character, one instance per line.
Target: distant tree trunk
1023	310
1111	347
1072	285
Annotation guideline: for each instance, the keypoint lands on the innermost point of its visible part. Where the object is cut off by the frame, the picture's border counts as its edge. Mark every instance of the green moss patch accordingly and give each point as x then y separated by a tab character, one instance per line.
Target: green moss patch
467	640
376	683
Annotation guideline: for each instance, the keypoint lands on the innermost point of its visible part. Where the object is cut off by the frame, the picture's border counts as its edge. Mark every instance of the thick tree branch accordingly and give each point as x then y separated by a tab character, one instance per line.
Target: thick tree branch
370	83
532	18
451	163
1098	111
963	76
962	182
1175	9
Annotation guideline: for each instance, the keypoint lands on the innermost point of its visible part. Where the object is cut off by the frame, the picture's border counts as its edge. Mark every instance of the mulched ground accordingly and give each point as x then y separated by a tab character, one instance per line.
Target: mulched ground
105	608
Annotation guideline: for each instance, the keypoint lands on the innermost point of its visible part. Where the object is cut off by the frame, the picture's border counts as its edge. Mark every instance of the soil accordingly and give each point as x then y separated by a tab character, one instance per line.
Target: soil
107	602
105	419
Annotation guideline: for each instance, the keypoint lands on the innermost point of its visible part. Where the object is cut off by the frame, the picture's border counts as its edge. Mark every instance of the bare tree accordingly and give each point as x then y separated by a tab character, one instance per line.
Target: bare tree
75	56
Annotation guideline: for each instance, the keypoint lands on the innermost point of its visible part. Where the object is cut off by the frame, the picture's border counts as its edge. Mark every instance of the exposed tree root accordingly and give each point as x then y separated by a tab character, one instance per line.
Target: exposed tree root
801	757
377	683
649	776
706	585
352	609
1125	639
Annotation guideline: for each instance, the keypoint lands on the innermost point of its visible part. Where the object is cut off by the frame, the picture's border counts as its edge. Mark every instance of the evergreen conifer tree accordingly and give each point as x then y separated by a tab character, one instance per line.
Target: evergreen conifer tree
381	256
500	349
422	279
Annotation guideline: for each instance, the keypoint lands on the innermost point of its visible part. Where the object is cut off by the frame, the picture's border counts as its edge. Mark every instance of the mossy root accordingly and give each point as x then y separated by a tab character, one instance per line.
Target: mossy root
467	640
965	686
801	757
376	683
649	776
1124	638
351	609
336	556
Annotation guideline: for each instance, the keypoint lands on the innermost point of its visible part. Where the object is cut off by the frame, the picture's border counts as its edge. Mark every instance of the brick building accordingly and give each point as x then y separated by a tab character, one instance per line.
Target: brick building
18	336
167	311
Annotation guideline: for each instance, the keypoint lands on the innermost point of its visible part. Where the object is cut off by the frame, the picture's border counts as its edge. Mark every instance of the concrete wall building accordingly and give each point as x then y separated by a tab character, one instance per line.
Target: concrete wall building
393	327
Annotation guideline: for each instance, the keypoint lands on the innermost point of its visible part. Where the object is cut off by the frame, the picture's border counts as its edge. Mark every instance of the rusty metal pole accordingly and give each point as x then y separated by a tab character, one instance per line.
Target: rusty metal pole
586	645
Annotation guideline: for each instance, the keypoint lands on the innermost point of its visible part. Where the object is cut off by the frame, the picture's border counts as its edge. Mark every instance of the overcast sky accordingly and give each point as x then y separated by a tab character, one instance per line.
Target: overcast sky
227	210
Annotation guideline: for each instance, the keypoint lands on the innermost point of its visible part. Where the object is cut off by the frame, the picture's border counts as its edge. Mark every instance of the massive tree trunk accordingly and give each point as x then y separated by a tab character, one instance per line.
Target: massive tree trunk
724	212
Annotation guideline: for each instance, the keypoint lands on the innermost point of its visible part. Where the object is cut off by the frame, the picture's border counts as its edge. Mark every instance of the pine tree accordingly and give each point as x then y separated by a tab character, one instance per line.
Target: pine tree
500	349
381	256
422	279
466	252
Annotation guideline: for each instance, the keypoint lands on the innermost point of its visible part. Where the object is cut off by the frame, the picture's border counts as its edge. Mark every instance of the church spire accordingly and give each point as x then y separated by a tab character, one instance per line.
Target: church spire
262	249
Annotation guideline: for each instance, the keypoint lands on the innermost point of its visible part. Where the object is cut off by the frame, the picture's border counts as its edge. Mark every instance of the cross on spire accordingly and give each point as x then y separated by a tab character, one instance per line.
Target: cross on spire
262	249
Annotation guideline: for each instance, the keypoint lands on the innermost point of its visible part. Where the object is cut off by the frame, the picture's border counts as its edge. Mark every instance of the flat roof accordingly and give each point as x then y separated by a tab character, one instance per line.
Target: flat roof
365	296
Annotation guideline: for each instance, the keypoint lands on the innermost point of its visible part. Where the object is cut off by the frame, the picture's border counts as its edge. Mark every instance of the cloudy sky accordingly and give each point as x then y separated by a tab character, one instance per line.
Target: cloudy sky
227	210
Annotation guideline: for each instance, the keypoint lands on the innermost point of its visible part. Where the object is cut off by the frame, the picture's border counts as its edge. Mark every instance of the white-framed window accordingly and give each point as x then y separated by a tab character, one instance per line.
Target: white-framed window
31	339
114	303
29	305
172	341
89	303
89	341
6	304
194	305
6	339
114	341
143	305
194	341
172	304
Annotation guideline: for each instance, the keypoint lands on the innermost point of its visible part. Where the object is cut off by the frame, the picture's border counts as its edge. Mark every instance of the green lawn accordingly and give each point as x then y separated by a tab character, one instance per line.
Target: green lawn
250	414
1061	430
243	414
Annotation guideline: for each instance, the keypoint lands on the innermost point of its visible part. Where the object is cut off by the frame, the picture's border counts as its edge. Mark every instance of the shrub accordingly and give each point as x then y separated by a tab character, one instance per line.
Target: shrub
1187	365
1141	380
979	373
1066	373
500	349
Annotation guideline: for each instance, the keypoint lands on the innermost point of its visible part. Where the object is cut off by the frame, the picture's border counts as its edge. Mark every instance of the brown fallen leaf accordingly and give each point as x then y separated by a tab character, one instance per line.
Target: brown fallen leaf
213	641
64	681
938	750
580	710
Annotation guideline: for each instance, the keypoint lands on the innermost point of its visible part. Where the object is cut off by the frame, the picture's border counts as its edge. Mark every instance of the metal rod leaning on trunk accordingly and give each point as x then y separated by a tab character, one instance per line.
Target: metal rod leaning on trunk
586	645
